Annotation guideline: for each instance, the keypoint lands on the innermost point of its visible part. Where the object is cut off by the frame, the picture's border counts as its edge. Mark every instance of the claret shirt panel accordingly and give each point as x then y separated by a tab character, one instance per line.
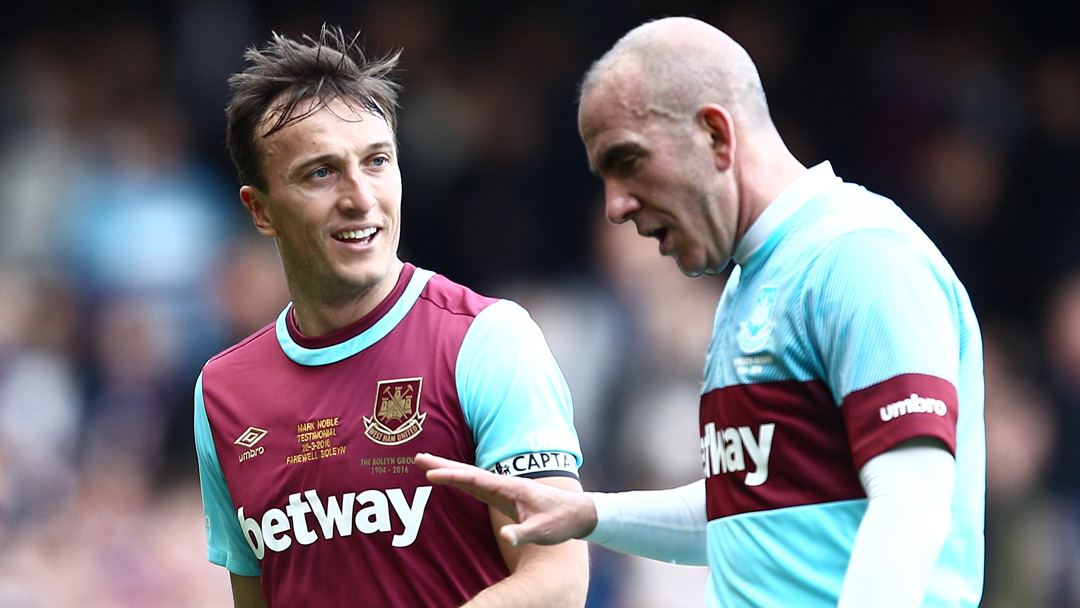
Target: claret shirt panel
306	451
841	333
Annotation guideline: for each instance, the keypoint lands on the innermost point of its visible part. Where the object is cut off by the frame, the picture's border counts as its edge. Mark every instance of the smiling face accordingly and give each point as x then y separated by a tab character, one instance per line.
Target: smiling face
333	204
662	174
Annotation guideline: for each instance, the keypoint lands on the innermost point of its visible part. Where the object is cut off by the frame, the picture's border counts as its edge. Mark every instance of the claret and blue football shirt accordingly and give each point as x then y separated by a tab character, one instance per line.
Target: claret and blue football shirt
841	333
306	446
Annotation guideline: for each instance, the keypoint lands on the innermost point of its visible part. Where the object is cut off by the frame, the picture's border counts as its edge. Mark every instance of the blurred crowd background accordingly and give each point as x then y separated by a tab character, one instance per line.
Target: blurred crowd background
126	259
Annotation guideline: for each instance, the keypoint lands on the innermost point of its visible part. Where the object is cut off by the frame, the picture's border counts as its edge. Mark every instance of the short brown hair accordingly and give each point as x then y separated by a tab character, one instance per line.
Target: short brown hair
285	72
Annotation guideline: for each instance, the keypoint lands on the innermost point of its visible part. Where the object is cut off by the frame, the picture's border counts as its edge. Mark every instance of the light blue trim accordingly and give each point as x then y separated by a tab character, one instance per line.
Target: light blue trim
225	541
348	348
511	389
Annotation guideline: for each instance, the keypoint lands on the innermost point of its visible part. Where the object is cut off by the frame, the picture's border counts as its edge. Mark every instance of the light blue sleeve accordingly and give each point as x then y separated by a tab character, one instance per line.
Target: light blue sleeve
512	391
880	305
226	545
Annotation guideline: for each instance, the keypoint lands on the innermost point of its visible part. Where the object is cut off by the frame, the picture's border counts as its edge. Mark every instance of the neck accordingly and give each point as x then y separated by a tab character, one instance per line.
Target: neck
317	316
765	170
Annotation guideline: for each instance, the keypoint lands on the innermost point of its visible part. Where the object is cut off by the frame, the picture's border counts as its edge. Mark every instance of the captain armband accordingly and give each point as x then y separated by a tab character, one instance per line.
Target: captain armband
538	464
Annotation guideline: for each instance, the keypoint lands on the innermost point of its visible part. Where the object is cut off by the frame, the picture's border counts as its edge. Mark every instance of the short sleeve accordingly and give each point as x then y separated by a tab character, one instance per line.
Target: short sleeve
882	313
514	396
226	545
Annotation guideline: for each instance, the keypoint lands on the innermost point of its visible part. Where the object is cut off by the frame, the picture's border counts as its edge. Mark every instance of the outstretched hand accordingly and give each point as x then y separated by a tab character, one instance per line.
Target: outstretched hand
546	515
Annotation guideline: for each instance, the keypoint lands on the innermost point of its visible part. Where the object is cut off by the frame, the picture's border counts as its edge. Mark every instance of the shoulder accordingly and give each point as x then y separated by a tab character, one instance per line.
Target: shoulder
853	228
850	209
252	348
454	298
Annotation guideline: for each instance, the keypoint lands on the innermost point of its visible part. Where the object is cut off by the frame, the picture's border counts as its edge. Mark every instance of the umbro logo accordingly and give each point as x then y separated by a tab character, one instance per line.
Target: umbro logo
250	437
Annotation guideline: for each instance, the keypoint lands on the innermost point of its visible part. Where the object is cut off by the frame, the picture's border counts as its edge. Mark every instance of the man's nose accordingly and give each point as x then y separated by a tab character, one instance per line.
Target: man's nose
357	192
619	202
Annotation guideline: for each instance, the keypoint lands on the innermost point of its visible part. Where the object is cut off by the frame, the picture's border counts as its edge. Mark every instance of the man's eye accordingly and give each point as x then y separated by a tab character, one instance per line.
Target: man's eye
379	161
320	173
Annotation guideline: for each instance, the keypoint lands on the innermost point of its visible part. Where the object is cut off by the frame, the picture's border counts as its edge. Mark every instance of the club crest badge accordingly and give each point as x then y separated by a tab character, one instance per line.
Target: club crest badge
754	332
396	417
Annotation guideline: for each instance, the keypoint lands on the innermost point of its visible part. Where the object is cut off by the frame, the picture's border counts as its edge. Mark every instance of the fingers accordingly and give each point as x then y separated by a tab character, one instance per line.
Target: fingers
444	471
537	506
541	528
430	461
450	472
473	480
488	487
511	535
478	483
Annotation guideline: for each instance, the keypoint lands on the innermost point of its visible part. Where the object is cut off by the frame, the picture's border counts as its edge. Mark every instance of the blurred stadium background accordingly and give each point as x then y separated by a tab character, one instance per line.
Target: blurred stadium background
126	259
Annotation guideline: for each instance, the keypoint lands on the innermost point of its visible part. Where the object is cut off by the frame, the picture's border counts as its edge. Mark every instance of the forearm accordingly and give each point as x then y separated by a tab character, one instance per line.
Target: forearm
552	577
541	576
903	530
247	591
665	525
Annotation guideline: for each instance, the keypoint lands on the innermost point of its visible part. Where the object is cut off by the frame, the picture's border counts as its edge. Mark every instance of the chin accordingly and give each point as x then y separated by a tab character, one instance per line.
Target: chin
372	272
701	269
361	277
367	280
691	268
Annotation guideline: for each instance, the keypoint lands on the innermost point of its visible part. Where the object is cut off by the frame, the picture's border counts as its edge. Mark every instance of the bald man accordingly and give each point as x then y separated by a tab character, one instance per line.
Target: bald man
841	414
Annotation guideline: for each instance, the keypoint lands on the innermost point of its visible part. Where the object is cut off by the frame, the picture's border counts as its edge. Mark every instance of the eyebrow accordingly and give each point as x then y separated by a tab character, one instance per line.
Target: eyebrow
613	155
379	146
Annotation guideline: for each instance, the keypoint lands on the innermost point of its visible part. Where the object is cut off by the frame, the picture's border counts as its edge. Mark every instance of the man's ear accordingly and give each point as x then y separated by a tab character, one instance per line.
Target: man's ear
718	122
253	202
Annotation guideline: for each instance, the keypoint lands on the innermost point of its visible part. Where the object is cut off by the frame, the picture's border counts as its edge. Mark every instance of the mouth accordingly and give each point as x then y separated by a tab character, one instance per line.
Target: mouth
659	234
356	236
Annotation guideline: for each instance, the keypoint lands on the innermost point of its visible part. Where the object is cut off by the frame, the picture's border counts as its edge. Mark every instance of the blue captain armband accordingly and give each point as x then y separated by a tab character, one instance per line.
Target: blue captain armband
538	464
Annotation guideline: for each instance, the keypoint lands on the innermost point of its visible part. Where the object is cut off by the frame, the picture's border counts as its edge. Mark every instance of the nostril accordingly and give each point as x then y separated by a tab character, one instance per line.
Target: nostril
619	209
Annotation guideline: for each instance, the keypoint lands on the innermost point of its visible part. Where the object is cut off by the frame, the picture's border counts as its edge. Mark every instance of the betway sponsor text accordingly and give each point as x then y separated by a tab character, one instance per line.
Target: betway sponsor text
366	512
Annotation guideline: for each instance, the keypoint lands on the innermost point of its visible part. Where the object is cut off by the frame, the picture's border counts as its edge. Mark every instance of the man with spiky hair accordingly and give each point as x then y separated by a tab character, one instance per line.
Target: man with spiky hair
305	430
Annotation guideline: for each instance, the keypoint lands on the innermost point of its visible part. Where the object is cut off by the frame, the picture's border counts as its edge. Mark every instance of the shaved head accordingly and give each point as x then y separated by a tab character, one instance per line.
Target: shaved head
674	120
673	66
